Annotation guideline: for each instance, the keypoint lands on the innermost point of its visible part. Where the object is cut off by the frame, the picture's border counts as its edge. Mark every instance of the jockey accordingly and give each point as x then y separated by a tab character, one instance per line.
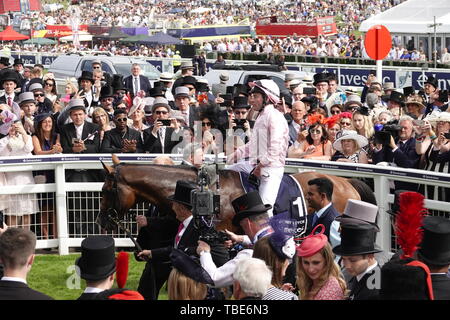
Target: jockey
268	144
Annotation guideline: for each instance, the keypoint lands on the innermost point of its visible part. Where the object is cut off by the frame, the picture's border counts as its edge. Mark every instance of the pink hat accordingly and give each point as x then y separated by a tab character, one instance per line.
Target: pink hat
312	243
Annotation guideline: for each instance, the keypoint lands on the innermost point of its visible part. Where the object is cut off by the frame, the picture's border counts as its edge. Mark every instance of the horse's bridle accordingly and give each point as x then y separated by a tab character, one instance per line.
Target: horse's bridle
114	192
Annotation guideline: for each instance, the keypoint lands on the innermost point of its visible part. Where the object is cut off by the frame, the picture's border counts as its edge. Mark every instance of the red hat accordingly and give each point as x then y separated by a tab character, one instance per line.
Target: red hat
312	243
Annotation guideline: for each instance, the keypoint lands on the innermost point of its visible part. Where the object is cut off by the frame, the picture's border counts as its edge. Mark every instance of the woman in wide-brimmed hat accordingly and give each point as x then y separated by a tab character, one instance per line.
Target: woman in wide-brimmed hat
415	106
348	146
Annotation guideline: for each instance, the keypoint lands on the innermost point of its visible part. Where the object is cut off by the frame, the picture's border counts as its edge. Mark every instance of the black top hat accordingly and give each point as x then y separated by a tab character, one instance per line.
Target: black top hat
230	90
86	75
201	87
106	92
240	88
248	205
396	205
97	261
189	267
357	239
435	247
407	91
17	61
240	102
189	80
4	60
443	96
397	97
321	77
433	81
286	94
183	191
400	281
157	92
10	75
117	83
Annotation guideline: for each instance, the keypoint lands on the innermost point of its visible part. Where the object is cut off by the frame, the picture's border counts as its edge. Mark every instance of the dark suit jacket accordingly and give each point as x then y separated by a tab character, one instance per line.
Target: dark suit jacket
3	99
113	141
144	84
87	296
152	144
359	289
441	286
188	244
68	132
326	219
13	290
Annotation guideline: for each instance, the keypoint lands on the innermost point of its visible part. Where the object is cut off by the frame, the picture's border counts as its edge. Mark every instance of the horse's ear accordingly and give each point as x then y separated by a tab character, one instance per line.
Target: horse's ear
108	169
115	159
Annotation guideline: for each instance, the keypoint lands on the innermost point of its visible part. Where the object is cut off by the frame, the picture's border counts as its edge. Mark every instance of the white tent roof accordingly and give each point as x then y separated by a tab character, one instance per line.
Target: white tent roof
413	16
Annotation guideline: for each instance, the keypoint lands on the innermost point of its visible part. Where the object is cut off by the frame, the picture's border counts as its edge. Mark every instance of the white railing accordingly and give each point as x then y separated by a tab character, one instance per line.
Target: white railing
66	194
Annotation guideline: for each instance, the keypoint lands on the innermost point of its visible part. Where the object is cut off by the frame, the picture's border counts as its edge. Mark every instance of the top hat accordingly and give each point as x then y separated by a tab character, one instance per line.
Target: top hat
396	205
407	91
183	191
36	87
433	81
240	102
18	61
397	97
186	65
320	77
443	96
117	82
189	80
86	75
435	246
97	261
224	76
4	60
189	267
405	279
106	92
26	97
248	205
76	104
10	75
359	212
356	239
181	91
157	92
160	102
240	88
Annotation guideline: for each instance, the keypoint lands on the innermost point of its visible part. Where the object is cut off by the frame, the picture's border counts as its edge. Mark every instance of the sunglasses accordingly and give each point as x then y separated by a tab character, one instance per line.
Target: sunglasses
49	84
240	112
39	95
206	124
161	112
97	67
315	131
346	124
121	119
335	111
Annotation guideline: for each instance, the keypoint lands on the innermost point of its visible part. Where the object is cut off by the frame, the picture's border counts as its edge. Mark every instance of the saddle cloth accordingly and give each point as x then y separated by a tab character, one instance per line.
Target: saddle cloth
290	203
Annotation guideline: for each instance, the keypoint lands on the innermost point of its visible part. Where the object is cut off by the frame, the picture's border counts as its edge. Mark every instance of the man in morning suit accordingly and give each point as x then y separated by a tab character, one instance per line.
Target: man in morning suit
17	254
319	195
160	138
136	82
121	139
185	239
357	250
435	253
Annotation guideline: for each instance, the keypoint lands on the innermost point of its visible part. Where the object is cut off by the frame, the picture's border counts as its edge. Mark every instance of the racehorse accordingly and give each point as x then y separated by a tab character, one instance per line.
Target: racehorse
128	184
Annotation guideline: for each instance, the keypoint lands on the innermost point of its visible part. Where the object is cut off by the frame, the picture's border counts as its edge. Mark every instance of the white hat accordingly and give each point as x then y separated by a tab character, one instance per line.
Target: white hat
308	79
166	77
224	76
436	116
361	141
359	212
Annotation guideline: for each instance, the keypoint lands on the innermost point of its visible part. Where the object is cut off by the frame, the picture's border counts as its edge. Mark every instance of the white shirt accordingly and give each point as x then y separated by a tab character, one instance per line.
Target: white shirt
92	290
185	224
79	131
15	279
361	275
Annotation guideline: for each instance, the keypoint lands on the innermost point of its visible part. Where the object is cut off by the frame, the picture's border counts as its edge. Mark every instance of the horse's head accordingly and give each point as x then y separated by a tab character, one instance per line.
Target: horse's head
117	197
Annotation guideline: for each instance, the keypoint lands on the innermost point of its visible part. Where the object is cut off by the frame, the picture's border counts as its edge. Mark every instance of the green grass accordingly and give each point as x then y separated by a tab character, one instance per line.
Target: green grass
50	275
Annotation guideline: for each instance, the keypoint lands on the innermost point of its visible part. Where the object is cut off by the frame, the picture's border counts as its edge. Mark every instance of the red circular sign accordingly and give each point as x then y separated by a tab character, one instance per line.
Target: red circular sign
378	42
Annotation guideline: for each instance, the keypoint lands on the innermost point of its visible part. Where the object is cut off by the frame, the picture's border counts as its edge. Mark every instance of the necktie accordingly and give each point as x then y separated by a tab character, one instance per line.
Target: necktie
314	219
161	137
177	238
136	85
9	102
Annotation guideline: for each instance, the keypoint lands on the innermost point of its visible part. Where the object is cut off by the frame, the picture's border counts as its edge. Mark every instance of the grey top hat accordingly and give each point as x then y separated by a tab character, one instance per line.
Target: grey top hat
187	65
289	77
182	92
353	99
357	211
35	87
160	102
76	104
26	97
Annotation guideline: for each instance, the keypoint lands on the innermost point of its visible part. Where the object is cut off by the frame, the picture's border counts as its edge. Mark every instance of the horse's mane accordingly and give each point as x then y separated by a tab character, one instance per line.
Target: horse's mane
180	166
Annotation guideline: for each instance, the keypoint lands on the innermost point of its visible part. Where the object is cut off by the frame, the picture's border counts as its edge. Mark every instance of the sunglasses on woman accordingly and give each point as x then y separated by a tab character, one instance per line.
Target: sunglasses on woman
206	124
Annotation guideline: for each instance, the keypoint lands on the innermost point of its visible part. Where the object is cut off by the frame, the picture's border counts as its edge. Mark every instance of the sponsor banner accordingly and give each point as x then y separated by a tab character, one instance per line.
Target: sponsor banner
157	64
25	59
357	78
419	78
47	60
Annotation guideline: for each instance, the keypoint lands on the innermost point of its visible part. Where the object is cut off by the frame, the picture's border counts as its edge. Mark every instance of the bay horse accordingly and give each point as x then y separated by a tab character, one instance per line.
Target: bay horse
128	184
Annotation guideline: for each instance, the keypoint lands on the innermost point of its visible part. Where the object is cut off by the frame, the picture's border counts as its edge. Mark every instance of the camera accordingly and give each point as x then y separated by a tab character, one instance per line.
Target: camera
309	90
165	122
390	129
239	124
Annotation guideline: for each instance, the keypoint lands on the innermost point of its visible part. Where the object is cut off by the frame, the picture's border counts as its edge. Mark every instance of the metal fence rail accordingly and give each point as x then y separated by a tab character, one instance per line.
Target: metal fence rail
66	211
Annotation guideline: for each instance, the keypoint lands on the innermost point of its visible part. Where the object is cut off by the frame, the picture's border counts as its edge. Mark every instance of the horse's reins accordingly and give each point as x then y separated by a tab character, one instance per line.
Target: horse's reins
114	192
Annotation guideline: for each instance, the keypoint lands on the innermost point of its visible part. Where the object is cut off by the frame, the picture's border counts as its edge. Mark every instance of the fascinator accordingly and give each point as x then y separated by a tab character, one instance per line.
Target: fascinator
189	267
282	238
313	243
